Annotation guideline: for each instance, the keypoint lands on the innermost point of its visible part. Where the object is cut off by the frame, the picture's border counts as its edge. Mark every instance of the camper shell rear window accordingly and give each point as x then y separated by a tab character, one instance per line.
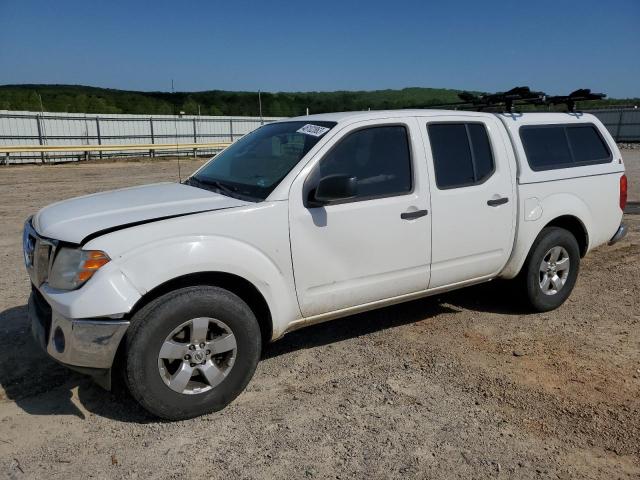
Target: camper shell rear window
569	145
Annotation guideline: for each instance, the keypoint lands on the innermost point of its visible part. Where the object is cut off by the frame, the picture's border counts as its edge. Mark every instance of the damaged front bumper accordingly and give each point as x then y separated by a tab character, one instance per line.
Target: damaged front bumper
85	345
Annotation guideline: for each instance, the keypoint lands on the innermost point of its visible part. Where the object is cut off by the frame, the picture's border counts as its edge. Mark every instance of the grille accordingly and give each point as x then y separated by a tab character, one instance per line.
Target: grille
38	253
41	261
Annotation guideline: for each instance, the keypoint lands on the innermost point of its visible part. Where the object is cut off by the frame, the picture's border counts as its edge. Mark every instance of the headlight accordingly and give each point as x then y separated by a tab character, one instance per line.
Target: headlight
72	267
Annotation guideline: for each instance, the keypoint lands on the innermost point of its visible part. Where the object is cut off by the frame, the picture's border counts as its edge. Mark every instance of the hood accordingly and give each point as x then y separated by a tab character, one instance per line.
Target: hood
75	219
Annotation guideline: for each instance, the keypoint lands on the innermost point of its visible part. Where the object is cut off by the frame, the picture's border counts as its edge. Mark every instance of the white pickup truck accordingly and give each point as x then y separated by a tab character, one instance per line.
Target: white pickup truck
178	285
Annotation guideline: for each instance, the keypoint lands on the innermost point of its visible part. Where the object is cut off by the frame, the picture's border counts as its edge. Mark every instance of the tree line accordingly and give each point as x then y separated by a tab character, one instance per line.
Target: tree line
82	99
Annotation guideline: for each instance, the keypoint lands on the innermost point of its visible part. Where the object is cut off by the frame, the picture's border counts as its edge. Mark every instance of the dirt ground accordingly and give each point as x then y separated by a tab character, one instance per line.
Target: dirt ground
463	385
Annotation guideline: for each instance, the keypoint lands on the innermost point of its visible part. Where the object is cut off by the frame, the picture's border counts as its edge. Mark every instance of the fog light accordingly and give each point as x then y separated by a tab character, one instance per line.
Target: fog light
58	340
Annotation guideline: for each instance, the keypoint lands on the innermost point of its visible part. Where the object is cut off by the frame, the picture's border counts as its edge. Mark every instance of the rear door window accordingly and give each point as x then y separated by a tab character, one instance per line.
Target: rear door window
563	146
461	154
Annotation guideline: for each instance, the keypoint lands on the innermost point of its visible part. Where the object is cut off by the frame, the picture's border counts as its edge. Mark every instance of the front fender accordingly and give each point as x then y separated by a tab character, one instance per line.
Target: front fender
153	264
537	213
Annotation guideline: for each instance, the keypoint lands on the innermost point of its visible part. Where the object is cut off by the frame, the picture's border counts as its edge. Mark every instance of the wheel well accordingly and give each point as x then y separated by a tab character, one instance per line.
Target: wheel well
235	284
575	226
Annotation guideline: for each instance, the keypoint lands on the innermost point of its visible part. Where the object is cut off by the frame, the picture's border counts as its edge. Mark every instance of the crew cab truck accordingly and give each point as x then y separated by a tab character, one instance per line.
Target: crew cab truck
310	219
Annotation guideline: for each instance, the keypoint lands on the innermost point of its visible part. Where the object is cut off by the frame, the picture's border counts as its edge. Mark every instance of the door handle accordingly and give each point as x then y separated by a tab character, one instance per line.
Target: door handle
497	201
413	215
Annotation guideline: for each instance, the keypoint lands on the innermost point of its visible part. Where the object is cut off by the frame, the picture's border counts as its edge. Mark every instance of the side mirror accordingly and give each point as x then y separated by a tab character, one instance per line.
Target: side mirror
331	189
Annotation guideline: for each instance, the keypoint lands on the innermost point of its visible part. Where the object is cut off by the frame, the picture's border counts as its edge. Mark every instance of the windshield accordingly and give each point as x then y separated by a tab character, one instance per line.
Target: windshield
253	166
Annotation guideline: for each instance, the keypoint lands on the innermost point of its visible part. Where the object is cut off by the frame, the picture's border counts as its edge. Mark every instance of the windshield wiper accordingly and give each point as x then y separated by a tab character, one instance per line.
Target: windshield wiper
221	187
218	185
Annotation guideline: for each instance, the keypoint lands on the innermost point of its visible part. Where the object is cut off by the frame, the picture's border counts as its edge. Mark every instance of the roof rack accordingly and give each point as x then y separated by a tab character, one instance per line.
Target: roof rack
571	99
507	101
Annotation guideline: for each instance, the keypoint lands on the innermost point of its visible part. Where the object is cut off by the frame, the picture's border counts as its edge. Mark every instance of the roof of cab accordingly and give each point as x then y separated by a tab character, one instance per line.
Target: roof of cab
514	118
380	114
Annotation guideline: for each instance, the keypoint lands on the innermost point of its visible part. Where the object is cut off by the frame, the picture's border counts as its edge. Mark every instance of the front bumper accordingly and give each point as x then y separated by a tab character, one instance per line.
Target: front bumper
85	344
620	234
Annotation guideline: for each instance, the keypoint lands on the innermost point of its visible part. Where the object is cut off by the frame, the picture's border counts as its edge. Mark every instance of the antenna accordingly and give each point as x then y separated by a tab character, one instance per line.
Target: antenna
175	126
260	106
41	104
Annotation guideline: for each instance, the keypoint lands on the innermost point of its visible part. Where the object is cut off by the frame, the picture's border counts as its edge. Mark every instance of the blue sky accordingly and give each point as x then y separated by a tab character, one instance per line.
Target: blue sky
554	46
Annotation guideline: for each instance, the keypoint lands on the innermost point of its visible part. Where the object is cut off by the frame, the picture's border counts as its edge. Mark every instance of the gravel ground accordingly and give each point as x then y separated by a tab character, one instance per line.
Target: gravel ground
461	385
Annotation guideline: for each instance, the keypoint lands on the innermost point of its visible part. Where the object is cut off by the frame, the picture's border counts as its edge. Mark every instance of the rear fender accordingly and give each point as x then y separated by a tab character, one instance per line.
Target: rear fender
531	223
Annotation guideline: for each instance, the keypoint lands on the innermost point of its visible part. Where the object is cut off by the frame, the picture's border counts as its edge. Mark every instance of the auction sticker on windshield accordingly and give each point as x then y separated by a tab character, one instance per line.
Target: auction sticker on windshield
314	130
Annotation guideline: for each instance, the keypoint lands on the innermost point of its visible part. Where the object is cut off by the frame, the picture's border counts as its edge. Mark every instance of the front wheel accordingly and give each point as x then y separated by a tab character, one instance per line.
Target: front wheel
191	352
551	269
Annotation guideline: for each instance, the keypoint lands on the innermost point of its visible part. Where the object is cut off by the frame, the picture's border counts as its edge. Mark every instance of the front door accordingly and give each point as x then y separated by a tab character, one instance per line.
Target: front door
374	246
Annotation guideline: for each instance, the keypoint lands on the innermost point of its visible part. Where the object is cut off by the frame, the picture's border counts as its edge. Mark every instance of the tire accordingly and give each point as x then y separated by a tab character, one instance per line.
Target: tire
541	287
231	336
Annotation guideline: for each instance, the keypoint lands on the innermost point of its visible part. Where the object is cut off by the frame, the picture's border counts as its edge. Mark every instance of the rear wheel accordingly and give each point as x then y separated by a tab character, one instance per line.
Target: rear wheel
551	269
191	352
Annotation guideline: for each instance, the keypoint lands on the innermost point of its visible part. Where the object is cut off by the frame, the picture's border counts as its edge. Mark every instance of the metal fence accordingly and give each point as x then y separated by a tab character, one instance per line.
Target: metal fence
32	128
622	123
60	129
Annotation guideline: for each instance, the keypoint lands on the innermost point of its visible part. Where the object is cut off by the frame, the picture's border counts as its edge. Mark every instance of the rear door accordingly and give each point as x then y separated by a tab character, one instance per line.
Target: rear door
472	197
372	247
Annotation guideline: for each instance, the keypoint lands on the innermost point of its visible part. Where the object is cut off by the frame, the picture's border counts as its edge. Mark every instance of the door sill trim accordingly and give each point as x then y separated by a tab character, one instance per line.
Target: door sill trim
345	312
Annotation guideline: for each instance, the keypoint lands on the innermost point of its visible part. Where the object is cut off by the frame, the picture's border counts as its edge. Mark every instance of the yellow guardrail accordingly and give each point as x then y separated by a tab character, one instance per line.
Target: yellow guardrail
8	149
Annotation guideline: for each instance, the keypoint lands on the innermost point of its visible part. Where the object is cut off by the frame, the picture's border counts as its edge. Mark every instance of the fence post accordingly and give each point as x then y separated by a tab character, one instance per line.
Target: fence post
37	117
98	133
87	154
231	130
152	152
195	138
617	137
